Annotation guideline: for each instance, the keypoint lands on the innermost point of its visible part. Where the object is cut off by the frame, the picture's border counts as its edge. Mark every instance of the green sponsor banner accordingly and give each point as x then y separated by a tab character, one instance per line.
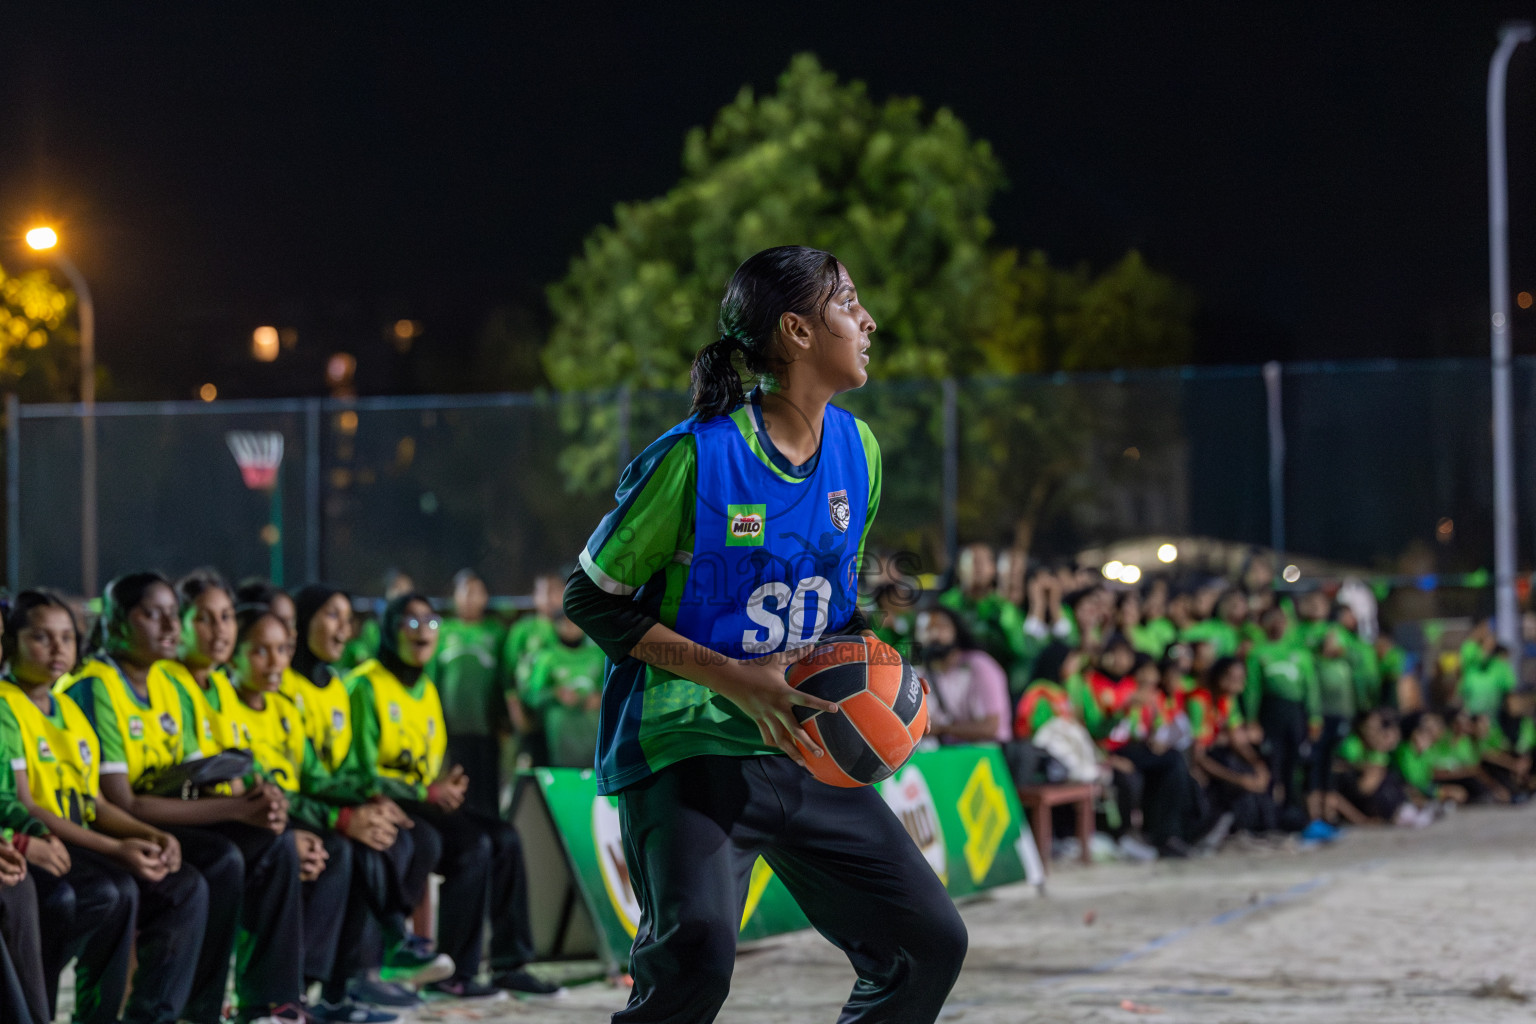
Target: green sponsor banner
957	803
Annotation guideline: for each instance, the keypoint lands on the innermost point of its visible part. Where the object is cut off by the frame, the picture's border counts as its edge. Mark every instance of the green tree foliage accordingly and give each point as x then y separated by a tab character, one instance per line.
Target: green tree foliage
39	349
900	194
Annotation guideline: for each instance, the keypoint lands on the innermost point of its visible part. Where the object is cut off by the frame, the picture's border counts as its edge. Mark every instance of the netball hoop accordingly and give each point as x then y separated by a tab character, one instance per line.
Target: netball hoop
259	453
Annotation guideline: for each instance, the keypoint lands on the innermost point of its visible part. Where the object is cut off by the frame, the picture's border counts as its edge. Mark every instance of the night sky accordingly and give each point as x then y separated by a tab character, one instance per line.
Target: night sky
1315	172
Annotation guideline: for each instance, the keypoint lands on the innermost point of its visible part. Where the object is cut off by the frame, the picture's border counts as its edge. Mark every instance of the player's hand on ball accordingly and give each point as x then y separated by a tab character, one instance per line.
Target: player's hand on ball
759	688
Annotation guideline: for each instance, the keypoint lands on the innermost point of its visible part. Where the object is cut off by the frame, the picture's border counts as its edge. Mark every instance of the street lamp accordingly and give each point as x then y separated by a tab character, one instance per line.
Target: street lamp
46	239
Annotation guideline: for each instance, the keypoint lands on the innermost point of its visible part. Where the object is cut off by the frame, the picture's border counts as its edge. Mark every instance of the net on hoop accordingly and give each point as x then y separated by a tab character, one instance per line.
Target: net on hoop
258	453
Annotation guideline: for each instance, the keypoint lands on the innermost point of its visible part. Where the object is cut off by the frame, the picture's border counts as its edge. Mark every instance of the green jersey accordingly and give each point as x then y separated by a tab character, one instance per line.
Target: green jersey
1416	767
467	670
571	729
1285	670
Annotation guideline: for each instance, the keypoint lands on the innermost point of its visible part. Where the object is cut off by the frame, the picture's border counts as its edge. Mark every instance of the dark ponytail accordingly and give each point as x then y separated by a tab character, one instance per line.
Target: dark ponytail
784	279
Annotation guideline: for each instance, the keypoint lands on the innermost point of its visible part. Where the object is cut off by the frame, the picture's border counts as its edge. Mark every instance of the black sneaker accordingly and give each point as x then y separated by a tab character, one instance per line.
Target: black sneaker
464	988
382	993
521	983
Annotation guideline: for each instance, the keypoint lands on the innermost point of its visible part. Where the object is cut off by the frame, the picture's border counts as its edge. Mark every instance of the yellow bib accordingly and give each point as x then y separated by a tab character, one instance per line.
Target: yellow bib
327	714
207	705
274	735
63	756
412	741
149	734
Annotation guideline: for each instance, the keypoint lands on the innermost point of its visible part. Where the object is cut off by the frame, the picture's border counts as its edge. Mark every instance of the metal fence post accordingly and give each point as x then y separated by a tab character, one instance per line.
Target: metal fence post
13	493
312	513
951	482
623	429
1276	459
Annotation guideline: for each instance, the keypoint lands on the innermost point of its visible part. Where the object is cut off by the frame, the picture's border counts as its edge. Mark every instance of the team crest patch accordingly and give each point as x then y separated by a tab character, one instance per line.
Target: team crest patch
168	723
85	753
745	525
837	504
338	720
135	727
44	751
394	712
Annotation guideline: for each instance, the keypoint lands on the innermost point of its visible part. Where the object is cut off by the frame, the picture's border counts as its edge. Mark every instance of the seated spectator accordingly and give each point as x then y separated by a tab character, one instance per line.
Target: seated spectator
1415	760
1457	758
1059	691
1371	790
968	690
1506	762
22	996
1235	775
1109	679
1151	777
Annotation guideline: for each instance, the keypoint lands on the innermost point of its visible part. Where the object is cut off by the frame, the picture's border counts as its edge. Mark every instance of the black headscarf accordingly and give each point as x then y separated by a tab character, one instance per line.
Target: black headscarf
389	638
306	605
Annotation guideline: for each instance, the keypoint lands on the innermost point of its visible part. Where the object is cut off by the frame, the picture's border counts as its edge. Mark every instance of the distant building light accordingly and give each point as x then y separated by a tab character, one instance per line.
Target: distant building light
264	344
1112	569
347	422
1133	453
1445	531
1523	300
1168	553
207	392
340	368
1130	574
1290	574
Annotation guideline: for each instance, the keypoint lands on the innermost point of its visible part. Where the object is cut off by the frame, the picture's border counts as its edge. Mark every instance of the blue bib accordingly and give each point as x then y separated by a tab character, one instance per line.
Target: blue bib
774	562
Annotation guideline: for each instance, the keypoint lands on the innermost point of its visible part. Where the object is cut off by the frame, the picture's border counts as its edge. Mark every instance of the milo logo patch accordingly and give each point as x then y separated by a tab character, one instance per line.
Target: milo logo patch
745	525
135	727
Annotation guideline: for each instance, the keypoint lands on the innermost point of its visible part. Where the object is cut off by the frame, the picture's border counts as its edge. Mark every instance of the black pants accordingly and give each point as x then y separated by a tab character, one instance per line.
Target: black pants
91	913
1251	812
691	835
377	901
326	902
480	757
23	991
1167	794
1285	732
483	876
254	889
1320	776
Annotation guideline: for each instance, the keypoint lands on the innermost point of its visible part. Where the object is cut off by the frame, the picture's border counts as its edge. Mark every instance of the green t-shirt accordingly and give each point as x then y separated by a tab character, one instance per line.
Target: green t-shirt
1454	753
571	731
1153	638
1485	685
1223	636
1353	750
648	541
528	636
1417	768
1336	687
997	623
467	670
1286	670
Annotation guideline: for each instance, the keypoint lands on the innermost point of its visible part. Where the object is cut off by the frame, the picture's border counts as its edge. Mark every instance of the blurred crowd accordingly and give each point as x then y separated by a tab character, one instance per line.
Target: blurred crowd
1209	709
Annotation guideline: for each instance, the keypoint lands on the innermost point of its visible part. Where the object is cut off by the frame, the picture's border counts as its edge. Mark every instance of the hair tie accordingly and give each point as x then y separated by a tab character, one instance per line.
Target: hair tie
735	342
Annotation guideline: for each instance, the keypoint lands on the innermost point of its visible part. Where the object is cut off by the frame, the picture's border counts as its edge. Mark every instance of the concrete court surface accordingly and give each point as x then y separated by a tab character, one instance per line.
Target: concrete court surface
1387	925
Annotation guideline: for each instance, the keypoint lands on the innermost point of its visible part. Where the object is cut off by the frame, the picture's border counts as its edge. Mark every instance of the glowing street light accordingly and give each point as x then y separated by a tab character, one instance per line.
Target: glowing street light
1168	553
42	238
46	239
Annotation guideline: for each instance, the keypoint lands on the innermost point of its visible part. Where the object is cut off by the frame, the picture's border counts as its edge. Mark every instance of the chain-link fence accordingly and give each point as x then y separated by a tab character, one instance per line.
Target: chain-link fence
1387	466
